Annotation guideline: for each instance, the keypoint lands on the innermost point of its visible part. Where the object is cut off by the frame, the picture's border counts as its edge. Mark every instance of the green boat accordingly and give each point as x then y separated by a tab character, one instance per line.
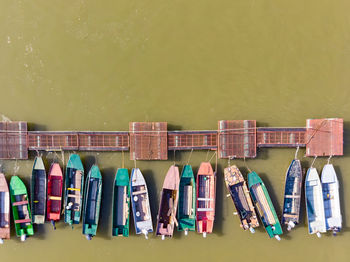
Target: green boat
121	203
186	214
73	192
92	202
264	206
20	208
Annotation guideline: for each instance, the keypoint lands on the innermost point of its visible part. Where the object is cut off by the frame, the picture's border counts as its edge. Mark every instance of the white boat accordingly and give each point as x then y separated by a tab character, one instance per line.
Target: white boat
314	203
140	203
330	187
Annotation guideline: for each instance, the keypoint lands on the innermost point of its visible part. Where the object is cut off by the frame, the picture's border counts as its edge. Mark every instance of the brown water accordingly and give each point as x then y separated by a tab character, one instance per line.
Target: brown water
78	65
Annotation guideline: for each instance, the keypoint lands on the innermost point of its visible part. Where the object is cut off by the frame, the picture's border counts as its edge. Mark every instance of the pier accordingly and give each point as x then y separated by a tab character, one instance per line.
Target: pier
152	140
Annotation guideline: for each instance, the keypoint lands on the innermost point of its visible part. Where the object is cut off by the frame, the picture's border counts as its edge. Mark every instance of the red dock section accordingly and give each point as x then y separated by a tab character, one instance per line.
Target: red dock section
152	140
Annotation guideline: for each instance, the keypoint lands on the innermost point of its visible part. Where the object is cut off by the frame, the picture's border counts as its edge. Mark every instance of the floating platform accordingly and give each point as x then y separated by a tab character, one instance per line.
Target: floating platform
152	140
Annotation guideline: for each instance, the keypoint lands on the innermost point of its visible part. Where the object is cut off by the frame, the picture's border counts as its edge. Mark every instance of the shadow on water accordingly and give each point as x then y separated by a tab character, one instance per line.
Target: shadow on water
219	200
153	194
342	200
105	224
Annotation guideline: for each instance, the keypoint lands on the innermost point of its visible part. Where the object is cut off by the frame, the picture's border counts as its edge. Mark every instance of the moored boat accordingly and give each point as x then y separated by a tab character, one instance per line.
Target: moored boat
264	206
292	195
73	192
186	213
330	189
140	203
166	218
4	209
242	201
206	183
121	203
92	202
38	191
314	203
20	208
54	194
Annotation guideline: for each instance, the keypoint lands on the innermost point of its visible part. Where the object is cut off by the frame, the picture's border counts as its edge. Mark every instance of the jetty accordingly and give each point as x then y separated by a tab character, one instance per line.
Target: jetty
153	140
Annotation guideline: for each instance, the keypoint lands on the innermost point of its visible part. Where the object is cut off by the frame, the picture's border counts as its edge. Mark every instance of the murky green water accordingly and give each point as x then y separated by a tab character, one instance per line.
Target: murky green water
79	65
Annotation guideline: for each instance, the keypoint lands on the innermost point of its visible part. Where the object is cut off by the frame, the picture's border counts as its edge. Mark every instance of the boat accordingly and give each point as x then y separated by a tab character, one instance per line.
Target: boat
206	184
314	203
140	203
92	202
292	195
54	194
73	192
186	213
240	195
4	209
169	196
330	188
38	191
121	203
20	208
264	206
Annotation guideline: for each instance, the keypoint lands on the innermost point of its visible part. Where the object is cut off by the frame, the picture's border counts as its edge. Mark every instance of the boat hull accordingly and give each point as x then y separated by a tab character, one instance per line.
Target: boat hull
54	193
242	201
292	194
20	208
314	202
264	206
206	187
121	203
38	191
4	208
330	189
73	192
186	214
168	203
92	201
140	203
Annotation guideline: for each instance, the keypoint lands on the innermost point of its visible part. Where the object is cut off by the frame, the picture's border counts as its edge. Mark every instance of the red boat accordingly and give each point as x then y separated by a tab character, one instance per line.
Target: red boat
206	183
54	193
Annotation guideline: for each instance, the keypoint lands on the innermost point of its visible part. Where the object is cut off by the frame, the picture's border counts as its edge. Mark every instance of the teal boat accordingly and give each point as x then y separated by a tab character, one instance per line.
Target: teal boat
121	203
20	208
73	192
186	214
92	202
264	206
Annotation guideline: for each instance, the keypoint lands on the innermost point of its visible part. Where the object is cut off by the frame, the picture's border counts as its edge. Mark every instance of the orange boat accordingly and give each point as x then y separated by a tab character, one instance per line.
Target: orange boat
54	193
206	184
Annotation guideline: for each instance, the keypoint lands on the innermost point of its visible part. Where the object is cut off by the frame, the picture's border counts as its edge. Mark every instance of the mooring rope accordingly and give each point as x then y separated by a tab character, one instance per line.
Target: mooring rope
312	164
296	153
189	157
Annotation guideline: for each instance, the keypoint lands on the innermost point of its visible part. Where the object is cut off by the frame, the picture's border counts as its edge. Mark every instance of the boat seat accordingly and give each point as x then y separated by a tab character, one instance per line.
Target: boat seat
20	203
290	215
54	198
204	199
73	196
73	189
292	196
139	192
204	209
20	221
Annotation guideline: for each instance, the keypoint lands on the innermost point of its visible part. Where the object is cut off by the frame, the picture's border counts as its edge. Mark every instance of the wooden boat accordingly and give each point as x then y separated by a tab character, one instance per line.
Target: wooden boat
186	213
38	191
121	203
92	202
140	203
206	184
20	208
314	203
292	195
264	206
4	209
54	194
240	195
330	188
73	192
169	196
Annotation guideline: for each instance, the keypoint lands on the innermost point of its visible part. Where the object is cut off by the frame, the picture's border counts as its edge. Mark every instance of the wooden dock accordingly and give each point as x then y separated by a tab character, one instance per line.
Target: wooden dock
152	140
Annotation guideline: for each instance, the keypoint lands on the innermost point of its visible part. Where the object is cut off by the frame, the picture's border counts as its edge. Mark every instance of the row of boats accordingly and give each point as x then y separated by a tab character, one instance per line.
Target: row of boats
185	201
